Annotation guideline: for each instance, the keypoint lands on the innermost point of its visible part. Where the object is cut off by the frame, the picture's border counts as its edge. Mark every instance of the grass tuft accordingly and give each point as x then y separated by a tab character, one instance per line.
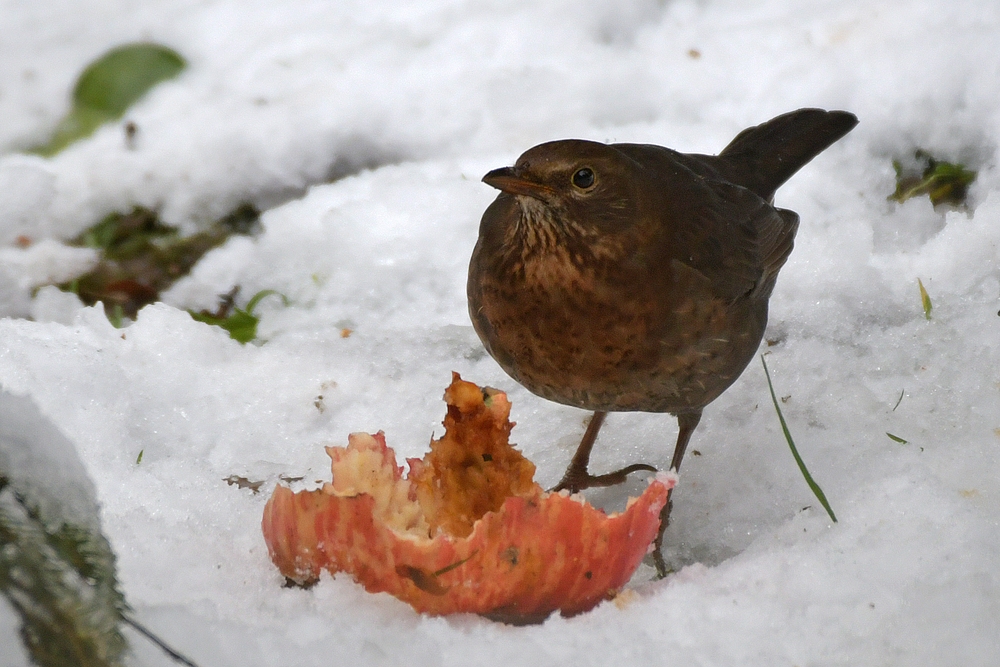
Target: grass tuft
942	182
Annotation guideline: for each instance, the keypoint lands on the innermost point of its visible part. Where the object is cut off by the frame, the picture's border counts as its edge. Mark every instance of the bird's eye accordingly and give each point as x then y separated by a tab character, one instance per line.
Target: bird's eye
583	178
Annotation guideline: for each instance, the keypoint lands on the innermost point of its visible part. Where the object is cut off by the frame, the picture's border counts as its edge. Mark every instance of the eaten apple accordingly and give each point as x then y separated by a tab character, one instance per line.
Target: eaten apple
467	529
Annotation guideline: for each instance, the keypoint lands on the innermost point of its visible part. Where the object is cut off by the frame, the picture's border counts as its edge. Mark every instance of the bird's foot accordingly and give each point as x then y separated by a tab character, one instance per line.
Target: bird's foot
577	480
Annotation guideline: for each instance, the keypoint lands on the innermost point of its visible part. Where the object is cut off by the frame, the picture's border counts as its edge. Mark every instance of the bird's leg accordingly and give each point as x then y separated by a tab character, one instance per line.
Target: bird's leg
577	478
686	423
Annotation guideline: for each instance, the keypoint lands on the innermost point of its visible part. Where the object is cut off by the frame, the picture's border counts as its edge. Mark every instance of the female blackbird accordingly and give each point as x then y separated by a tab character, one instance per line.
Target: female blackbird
631	277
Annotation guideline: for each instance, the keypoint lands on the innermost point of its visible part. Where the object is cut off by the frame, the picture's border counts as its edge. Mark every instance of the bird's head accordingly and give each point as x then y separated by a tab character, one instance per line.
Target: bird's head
585	184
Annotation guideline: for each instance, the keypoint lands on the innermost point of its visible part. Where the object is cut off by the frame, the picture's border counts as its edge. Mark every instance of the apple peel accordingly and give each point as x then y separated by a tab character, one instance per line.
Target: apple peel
466	530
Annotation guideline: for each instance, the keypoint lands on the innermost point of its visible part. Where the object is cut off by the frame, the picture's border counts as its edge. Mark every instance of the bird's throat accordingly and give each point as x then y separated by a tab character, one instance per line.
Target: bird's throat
539	228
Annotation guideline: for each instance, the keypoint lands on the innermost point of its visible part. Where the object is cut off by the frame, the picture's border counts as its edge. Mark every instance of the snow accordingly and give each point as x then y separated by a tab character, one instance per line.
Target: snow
364	128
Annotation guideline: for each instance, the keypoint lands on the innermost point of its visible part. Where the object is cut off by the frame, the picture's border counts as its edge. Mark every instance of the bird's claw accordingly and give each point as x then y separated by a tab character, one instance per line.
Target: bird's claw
575	481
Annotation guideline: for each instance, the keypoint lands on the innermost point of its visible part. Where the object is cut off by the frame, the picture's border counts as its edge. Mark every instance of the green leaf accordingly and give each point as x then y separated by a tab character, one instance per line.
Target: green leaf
896	438
109	86
241	324
925	299
818	492
123	75
116	316
943	182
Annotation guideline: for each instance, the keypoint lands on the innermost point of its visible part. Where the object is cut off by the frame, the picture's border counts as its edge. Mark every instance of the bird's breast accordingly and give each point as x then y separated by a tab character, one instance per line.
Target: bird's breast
604	330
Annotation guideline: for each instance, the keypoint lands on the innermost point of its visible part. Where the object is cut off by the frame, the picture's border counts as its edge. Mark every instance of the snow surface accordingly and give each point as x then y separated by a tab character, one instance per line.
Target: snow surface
403	106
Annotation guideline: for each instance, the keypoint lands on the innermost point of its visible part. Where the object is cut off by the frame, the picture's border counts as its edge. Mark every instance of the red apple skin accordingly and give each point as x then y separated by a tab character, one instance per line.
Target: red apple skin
532	557
466	530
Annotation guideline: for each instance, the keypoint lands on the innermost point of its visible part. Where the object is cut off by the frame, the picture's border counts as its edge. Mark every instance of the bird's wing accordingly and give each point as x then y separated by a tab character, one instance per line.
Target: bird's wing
724	231
736	239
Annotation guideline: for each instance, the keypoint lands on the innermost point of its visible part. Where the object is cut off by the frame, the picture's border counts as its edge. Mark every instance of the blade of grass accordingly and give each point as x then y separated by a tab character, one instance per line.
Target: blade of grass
159	643
896	438
256	298
818	492
925	299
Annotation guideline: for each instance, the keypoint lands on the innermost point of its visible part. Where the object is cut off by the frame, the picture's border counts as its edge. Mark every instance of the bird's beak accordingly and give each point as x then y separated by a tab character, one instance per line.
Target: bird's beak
511	181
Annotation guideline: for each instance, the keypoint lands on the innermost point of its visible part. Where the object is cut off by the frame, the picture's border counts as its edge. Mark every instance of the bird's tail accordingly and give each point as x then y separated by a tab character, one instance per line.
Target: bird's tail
763	157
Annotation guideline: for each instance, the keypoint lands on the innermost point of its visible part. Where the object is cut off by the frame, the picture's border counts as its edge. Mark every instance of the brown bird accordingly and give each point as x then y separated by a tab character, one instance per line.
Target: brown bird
631	277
